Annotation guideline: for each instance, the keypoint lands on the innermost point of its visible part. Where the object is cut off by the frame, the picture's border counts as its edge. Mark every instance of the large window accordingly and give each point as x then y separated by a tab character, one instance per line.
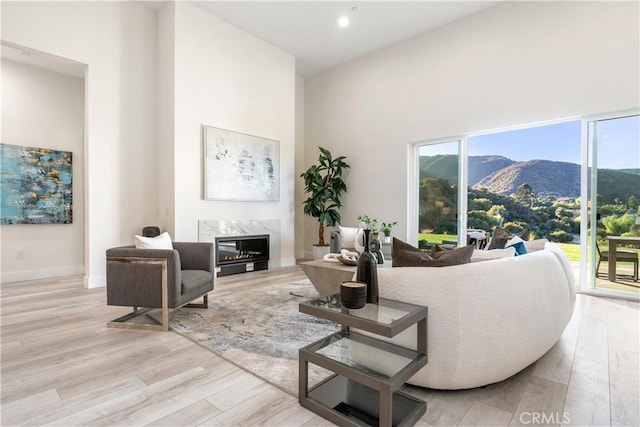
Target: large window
575	183
528	179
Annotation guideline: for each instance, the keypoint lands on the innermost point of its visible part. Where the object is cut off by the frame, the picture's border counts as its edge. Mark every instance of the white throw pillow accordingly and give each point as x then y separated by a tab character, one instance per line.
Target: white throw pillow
162	241
348	235
480	255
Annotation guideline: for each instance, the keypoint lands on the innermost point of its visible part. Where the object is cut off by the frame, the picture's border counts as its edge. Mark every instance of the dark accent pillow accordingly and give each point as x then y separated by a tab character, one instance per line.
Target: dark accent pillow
405	255
500	237
460	255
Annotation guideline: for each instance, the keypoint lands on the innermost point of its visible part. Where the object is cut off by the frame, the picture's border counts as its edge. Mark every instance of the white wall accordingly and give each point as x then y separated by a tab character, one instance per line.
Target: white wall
166	118
227	78
299	169
118	42
44	109
515	63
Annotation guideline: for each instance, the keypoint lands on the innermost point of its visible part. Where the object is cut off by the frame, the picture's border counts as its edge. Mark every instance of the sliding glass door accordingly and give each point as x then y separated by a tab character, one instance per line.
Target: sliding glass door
613	189
438	187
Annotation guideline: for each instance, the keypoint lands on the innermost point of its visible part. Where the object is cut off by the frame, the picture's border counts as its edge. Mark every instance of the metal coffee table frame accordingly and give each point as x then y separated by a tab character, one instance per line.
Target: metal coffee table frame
326	398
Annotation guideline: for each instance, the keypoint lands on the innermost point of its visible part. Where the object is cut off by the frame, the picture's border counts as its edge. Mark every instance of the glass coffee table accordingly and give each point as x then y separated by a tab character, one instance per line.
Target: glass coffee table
368	372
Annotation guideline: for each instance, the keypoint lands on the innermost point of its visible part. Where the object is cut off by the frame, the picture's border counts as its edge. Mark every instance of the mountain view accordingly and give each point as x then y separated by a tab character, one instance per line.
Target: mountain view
542	196
500	175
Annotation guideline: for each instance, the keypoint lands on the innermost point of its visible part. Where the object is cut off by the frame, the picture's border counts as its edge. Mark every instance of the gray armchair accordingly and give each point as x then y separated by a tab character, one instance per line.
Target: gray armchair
158	278
346	238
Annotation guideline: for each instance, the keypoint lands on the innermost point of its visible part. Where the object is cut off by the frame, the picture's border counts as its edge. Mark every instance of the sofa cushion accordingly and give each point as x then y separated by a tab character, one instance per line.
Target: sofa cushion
405	255
162	241
535	245
194	280
500	237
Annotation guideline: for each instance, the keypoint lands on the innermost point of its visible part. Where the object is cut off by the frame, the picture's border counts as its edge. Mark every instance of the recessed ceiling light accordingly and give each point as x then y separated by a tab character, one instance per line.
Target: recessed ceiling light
343	21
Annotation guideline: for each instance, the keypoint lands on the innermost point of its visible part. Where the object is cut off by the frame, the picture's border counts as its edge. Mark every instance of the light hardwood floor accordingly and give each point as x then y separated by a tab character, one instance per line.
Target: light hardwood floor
61	366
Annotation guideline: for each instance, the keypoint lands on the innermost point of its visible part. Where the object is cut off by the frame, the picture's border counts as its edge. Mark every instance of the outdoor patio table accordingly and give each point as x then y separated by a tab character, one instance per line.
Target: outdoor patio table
613	242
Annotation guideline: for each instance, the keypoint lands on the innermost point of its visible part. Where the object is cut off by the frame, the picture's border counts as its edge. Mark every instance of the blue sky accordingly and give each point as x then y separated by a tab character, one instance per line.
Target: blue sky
618	143
559	142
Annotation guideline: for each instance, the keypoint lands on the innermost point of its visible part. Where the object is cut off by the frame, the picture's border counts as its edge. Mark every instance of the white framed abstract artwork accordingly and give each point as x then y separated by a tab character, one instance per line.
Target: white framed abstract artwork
240	167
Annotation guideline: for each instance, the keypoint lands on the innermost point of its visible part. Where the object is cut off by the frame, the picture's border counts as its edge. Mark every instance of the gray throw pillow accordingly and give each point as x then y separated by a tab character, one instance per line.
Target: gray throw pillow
405	255
500	237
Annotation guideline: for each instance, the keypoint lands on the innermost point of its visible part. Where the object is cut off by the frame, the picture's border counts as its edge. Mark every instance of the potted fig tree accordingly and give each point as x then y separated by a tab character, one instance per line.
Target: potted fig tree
324	184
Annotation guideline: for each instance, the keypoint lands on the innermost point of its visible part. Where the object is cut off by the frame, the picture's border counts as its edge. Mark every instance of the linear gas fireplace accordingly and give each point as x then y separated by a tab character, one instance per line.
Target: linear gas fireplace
239	254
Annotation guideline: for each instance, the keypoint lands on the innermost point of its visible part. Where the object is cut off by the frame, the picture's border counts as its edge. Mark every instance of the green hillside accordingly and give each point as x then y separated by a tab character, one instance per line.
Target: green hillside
446	167
501	175
614	184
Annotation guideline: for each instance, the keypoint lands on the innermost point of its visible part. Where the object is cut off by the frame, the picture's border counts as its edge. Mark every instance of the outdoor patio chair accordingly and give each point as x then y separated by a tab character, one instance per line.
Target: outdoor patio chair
621	256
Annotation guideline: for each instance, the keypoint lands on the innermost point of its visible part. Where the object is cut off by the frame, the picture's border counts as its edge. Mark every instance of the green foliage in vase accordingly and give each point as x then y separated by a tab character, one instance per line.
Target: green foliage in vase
324	184
387	226
369	223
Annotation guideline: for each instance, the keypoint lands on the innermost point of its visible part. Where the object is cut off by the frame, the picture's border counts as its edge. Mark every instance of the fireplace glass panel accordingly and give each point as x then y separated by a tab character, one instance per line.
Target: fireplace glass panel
242	249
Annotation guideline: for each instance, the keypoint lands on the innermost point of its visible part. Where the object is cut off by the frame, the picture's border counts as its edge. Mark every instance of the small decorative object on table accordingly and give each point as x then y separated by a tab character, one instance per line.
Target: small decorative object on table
368	270
376	249
348	258
353	294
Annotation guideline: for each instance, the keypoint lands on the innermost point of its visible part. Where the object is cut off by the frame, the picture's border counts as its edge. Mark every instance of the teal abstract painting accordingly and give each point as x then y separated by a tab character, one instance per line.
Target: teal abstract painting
35	185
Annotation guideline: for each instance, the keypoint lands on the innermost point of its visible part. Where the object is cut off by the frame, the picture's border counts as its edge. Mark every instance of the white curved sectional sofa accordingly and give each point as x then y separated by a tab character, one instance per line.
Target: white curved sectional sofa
487	320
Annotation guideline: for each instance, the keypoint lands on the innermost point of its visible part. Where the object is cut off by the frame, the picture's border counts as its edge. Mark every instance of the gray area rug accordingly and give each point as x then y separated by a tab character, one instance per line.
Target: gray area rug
259	330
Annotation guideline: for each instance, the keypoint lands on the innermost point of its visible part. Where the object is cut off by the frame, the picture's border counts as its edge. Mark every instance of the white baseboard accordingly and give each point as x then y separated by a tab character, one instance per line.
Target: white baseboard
95	282
45	273
287	262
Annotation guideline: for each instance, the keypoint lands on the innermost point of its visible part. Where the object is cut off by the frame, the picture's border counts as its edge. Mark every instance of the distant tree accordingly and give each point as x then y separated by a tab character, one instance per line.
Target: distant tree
438	202
609	209
616	226
482	220
635	231
541	213
560	236
562	212
632	202
513	227
480	204
554	224
526	195
497	211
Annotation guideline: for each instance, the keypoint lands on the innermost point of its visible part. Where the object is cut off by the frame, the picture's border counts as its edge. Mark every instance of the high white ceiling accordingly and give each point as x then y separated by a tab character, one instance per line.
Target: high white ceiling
309	29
